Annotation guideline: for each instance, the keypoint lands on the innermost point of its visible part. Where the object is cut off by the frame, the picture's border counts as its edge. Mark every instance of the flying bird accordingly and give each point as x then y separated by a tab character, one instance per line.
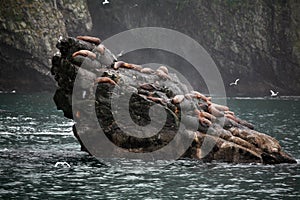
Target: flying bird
105	2
273	94
235	82
62	164
120	54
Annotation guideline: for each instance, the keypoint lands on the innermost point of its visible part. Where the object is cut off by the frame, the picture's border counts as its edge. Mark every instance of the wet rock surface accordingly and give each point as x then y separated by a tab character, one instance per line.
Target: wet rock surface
29	33
129	102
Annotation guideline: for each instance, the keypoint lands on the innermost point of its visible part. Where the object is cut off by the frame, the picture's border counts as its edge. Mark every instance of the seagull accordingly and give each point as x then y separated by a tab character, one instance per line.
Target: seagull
57	53
105	2
120	54
235	82
273	94
83	94
62	164
135	5
60	38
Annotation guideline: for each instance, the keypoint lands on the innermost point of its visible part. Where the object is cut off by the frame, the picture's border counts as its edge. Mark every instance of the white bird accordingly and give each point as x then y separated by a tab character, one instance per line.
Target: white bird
57	53
62	164
235	82
135	5
83	94
105	2
273	94
60	38
120	54
13	91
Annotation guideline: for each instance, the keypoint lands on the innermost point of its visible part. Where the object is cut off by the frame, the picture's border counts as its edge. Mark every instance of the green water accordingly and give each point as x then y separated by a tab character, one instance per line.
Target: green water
34	136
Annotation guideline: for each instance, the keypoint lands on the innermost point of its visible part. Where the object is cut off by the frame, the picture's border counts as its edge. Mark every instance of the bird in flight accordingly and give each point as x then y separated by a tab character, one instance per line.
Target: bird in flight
273	94
62	164
235	82
105	2
120	54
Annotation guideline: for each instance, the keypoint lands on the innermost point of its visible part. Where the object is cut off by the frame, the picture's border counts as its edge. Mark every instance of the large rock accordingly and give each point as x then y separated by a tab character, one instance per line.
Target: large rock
232	139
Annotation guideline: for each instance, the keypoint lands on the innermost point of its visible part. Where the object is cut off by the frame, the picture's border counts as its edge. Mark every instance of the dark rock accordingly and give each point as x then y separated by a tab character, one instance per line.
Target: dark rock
145	95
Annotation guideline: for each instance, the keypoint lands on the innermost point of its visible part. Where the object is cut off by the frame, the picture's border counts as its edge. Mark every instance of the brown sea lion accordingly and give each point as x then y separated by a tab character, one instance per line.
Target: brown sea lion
157	100
205	114
177	99
239	121
229	112
90	39
85	53
164	69
215	112
122	64
220	107
148	86
147	70
160	73
77	114
100	48
203	120
105	80
198	95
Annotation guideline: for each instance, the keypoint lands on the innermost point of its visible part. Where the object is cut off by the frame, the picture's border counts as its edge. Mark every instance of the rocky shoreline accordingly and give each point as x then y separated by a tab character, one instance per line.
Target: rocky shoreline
234	140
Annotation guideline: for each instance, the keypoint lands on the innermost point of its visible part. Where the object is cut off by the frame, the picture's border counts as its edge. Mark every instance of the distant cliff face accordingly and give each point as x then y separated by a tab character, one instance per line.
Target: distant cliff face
29	33
257	41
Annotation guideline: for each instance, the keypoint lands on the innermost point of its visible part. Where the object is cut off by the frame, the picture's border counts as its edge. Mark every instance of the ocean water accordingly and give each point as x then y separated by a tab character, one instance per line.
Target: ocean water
34	136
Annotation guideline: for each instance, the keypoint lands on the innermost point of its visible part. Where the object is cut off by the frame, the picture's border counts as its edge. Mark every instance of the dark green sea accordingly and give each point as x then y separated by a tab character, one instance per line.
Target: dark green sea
34	136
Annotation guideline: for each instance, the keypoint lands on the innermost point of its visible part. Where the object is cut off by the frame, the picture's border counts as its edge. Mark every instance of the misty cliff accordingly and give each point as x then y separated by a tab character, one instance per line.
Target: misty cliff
29	33
257	41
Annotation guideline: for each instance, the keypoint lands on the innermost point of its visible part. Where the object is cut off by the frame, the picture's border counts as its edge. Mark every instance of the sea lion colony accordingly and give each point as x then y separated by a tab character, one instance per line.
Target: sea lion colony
235	140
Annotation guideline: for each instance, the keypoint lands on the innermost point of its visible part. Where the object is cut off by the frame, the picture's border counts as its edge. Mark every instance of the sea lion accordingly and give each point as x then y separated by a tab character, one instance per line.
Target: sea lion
105	80
198	95
85	53
148	86
90	39
160	73
164	69
157	100
220	107
118	64
177	99
202	119
205	114
239	121
215	112
147	70
100	48
229	112
122	64
77	114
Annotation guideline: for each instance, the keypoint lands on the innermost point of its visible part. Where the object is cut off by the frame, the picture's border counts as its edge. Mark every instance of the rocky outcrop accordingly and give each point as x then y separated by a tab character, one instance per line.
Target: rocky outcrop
187	113
29	32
